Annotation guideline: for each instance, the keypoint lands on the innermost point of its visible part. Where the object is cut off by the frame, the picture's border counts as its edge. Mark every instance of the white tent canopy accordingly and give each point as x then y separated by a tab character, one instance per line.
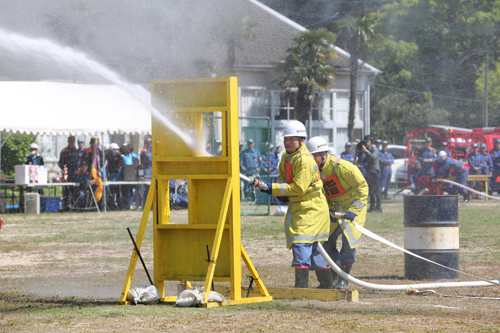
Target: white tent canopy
70	108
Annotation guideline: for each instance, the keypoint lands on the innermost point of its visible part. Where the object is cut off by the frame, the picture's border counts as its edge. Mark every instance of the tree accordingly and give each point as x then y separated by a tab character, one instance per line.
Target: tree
233	32
307	67
14	152
356	35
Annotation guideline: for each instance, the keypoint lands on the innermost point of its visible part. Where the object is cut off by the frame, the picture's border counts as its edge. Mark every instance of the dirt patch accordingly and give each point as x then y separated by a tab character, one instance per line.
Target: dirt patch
69	279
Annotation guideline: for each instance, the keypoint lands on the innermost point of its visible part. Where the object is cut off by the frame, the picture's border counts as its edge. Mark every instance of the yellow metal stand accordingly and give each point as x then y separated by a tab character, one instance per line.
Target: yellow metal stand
180	250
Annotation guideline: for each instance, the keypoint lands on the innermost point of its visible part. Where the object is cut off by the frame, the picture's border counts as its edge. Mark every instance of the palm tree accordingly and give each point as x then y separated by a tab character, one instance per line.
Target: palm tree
307	67
356	35
232	32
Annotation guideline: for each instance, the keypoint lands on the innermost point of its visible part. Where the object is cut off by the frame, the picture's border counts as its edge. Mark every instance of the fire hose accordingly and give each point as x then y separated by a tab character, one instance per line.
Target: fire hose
347	277
467	188
253	180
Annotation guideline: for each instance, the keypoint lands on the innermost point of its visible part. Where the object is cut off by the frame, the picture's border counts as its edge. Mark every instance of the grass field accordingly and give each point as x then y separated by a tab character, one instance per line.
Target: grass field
64	272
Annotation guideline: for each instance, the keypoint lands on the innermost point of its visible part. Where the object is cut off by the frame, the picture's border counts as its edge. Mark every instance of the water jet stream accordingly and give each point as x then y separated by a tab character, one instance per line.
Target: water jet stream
44	49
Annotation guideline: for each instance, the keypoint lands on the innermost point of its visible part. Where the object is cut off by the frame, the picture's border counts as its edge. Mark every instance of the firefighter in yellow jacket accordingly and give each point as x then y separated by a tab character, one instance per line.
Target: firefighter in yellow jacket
347	192
307	220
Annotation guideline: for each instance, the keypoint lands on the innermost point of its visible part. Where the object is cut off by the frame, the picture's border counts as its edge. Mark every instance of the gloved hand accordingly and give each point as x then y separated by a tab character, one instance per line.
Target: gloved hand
350	216
265	187
284	199
333	219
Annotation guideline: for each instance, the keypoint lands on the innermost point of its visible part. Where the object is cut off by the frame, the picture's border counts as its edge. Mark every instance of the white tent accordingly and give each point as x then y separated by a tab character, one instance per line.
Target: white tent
64	108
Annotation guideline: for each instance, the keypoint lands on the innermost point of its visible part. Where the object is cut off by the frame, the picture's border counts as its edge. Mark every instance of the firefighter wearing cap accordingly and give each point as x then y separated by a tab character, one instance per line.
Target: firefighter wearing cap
445	165
427	157
486	162
34	158
348	154
413	177
265	166
250	164
274	160
378	143
445	147
387	160
346	191
474	160
495	156
81	146
70	159
307	220
217	151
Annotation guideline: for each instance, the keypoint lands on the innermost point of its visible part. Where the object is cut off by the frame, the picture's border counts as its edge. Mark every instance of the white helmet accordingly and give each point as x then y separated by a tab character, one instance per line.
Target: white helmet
441	154
332	151
317	145
33	146
295	128
114	146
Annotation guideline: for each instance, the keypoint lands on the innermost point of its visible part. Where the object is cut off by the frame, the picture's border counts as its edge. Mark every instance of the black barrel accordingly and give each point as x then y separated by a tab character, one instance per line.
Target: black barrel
431	230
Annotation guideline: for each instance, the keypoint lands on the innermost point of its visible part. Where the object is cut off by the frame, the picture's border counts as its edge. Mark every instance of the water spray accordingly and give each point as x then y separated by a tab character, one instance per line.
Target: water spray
46	49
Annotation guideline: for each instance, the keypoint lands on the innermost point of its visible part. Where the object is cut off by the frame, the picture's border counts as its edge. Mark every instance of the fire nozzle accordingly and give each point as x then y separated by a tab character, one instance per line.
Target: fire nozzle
255	181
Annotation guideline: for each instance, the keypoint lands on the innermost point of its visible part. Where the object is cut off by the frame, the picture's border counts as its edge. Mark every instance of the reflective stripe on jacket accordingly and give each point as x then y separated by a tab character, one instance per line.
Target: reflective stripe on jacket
307	219
354	199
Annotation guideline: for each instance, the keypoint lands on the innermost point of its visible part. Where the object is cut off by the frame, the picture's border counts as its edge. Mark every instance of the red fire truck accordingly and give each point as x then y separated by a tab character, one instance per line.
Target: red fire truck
459	142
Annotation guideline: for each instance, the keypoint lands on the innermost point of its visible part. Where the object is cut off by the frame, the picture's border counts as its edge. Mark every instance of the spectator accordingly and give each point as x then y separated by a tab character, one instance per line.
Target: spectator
114	161
474	160
386	171
486	164
178	194
444	165
250	163
147	166
427	157
34	158
445	147
372	173
84	178
274	160
81	146
126	190
217	151
69	159
134	155
88	155
348	154
414	176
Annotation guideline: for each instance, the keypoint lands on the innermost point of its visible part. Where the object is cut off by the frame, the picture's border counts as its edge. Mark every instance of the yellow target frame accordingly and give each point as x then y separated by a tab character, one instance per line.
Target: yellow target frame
214	193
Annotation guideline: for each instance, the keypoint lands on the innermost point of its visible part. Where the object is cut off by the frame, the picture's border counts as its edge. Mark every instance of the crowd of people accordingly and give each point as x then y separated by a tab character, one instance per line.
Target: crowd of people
430	164
115	164
375	164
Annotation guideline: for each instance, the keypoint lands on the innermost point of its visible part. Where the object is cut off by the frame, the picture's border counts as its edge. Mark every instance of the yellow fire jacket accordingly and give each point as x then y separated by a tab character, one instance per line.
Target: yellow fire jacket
307	218
351	195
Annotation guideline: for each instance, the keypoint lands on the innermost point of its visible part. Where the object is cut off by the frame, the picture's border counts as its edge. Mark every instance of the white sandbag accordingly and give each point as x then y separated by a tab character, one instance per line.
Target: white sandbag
195	296
144	295
281	210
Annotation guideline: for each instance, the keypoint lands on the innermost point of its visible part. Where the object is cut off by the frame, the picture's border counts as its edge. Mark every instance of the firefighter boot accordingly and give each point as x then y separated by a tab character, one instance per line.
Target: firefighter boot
466	197
325	278
301	278
343	284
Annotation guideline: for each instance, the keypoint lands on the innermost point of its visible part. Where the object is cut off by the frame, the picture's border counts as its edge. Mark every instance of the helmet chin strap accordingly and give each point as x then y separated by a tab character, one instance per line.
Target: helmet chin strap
322	161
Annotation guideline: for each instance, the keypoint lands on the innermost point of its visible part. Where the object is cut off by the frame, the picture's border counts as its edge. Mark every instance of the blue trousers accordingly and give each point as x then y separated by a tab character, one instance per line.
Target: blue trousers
346	254
385	179
307	255
494	175
460	178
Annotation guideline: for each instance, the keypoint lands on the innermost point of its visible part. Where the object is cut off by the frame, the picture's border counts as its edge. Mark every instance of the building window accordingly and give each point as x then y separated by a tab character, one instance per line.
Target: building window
342	108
